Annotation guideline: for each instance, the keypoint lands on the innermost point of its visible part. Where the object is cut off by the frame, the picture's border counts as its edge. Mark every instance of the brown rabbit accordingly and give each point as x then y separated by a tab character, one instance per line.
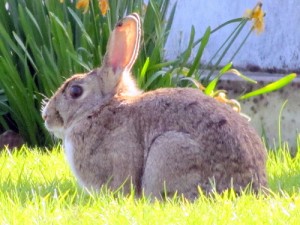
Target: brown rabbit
162	142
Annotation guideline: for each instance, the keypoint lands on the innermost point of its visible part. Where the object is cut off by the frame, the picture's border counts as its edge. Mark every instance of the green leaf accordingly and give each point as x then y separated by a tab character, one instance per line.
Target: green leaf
154	77
211	87
170	21
23	47
226	68
3	97
141	76
195	82
198	57
4	108
81	26
238	73
212	84
187	53
271	87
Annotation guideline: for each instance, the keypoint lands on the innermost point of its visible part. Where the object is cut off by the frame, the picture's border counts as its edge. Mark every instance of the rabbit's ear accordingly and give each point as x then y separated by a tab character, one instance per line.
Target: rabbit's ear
123	45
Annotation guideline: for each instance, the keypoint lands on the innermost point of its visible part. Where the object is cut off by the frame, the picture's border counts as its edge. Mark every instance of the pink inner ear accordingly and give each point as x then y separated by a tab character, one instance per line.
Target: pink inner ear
123	44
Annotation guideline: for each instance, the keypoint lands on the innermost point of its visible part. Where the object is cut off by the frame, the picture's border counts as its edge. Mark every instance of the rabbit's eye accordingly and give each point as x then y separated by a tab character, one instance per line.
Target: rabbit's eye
119	24
75	91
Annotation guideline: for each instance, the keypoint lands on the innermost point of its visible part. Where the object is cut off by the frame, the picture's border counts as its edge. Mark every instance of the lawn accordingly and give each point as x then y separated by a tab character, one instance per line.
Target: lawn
38	188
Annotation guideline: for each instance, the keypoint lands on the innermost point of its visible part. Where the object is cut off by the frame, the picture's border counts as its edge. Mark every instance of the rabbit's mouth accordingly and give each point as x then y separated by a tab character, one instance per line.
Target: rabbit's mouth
53	122
55	126
55	130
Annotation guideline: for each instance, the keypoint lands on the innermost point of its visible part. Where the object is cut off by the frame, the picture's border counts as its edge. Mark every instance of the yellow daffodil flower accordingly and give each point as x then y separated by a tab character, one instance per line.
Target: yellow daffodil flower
257	15
83	4
103	6
221	96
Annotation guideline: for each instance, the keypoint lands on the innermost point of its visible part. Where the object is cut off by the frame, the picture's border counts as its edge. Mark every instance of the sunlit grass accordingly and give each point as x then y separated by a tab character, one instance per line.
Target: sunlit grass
38	188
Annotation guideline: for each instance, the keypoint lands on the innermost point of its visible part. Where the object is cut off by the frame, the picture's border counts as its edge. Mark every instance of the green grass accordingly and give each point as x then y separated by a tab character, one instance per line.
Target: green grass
38	188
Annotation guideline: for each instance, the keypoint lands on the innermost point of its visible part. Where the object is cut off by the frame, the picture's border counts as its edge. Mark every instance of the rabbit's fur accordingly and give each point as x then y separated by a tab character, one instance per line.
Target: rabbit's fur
161	142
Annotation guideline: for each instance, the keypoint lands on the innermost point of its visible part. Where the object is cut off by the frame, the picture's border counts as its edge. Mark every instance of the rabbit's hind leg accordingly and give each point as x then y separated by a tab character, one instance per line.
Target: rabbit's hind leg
174	165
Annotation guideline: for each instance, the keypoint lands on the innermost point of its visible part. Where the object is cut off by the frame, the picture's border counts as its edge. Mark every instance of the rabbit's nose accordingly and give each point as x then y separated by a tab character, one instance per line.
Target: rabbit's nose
44	116
44	113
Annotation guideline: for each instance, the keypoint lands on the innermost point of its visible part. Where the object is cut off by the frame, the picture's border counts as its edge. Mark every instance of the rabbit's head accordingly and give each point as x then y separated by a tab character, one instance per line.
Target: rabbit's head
83	92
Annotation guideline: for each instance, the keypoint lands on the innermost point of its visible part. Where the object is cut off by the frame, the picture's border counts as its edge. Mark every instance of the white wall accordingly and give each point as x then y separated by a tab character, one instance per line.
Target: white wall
278	47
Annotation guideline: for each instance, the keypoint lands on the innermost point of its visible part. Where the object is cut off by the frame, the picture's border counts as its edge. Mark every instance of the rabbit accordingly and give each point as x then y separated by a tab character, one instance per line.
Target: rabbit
161	143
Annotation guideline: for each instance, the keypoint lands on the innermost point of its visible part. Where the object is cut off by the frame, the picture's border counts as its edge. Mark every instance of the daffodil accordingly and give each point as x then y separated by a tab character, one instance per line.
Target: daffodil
83	4
103	6
257	16
221	96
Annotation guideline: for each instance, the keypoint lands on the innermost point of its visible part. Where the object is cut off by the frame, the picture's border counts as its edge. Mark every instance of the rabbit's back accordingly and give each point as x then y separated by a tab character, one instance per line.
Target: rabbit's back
228	147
